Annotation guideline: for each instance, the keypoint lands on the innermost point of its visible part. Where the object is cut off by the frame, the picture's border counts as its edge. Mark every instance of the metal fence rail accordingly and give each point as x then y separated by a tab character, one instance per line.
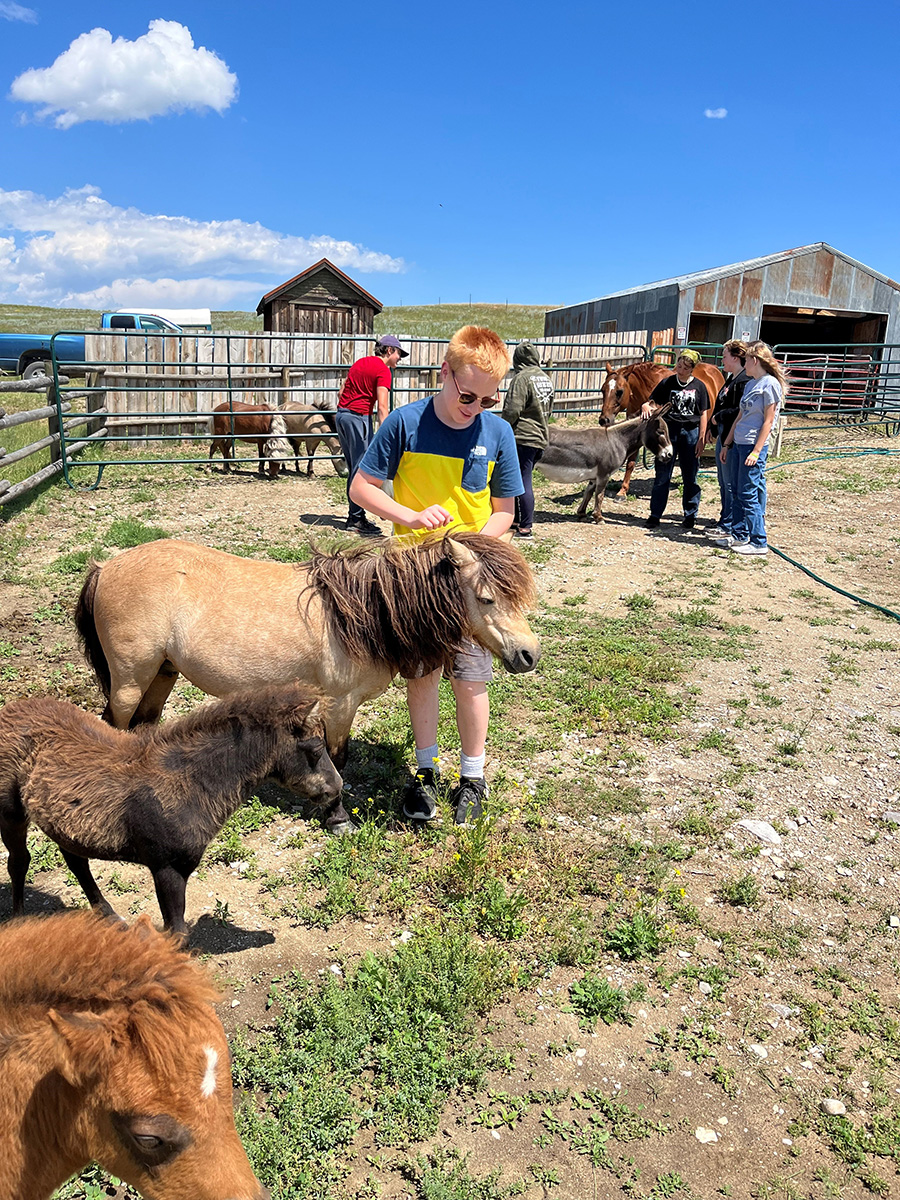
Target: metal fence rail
860	382
153	389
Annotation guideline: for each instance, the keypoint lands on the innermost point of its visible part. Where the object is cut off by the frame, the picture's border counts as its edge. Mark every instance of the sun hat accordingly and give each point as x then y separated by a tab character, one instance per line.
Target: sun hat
388	339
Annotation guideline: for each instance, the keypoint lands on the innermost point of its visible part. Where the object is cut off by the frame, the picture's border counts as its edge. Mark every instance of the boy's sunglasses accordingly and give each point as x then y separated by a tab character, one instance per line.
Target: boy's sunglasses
467	397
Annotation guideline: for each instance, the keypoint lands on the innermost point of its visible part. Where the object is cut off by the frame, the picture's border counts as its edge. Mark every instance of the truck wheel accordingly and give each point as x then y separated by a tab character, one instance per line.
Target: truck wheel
34	368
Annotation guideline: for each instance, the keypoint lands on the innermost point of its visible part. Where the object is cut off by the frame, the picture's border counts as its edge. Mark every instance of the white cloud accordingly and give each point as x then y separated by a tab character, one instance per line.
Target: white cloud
18	12
98	79
716	114
80	250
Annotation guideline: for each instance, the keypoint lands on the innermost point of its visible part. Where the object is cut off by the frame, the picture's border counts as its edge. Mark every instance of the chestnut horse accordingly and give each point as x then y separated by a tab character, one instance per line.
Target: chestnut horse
157	796
111	1051
345	623
629	387
257	423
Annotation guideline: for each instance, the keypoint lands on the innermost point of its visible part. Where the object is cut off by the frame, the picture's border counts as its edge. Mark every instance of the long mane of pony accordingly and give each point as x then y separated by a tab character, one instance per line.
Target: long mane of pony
404	605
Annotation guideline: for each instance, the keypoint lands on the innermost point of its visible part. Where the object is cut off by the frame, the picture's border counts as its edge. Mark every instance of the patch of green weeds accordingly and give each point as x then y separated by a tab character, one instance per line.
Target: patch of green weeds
129	531
639	936
290	554
386	1047
45	855
443	1175
365	872
592	996
744	890
74	563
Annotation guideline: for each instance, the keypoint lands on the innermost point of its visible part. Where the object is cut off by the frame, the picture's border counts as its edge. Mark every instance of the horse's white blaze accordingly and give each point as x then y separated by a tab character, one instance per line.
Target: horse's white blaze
208	1086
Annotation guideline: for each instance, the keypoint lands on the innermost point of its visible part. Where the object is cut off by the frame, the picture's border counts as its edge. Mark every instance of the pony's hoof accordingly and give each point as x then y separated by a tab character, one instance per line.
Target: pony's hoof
619	498
343	829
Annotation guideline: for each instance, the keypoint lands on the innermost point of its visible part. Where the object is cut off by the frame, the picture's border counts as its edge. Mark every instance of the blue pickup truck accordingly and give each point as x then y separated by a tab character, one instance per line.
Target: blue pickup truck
25	353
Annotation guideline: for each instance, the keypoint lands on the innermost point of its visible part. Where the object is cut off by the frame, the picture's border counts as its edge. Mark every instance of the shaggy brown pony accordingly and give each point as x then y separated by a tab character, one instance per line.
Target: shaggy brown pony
156	796
345	623
111	1050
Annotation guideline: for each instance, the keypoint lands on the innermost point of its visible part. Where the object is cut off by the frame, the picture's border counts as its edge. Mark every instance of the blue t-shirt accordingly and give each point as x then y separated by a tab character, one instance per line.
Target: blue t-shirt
432	463
758	395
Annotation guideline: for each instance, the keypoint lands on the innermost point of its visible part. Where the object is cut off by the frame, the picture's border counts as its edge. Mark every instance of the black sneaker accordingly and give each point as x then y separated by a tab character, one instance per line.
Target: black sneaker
368	528
687	522
652	522
352	524
420	796
466	799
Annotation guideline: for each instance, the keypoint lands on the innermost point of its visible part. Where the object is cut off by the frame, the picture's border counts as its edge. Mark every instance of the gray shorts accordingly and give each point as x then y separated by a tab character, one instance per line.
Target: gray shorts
472	664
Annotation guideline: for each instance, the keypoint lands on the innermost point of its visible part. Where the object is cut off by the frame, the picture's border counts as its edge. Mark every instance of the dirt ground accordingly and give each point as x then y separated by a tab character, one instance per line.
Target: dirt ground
819	679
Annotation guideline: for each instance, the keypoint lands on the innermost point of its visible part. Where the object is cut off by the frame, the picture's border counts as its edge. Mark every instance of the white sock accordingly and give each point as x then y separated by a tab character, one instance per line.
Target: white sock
472	767
426	758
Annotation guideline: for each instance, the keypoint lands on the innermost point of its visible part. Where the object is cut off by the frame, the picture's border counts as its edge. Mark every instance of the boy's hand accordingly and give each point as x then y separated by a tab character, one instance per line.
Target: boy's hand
432	517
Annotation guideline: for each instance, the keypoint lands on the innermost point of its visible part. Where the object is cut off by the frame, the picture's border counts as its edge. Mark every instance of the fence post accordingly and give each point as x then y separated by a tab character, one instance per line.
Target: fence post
53	425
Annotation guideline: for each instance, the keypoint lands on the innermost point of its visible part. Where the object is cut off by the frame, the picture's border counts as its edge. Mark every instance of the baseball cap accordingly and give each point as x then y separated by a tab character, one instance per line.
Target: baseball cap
388	339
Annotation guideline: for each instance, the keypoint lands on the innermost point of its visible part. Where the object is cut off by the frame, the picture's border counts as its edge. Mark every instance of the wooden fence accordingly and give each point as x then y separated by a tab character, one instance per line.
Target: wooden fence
177	379
48	412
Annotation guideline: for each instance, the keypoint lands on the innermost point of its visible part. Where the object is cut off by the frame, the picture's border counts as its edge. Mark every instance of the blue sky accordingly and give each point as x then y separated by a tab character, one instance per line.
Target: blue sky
199	154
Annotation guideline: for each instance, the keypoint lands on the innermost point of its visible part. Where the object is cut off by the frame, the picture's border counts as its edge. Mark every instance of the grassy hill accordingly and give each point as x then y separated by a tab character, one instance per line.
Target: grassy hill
511	321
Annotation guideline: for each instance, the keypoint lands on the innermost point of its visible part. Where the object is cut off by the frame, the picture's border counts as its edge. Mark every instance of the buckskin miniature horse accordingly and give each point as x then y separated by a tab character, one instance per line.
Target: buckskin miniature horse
574	455
629	387
345	623
158	795
111	1051
308	425
256	423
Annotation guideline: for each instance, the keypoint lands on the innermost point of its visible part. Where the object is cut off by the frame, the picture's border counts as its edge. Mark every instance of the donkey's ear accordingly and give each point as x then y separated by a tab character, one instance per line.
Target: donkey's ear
661	412
83	1044
461	554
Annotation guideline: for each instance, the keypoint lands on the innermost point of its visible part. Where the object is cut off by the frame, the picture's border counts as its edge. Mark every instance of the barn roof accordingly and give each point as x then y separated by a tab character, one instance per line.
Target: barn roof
695	278
322	265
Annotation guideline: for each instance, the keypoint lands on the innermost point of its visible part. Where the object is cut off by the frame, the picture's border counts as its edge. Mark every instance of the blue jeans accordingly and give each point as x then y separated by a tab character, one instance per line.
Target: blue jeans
528	456
684	444
726	473
748	515
354	431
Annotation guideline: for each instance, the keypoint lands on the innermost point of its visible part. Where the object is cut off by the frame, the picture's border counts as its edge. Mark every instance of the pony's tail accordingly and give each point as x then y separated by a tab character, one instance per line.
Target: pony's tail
87	630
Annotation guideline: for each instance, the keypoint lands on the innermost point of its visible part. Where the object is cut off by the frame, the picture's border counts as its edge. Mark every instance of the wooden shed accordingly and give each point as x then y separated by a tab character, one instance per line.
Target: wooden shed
321	299
809	295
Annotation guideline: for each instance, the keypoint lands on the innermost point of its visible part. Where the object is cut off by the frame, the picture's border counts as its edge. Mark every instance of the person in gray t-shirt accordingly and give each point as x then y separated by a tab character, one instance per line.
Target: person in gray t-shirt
749	441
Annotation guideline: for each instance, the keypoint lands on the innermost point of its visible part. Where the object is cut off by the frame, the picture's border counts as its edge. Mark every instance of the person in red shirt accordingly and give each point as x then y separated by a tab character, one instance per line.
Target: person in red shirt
366	390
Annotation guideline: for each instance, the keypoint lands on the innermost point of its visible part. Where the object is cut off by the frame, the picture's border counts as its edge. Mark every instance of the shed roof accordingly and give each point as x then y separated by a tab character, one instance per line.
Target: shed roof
322	265
695	278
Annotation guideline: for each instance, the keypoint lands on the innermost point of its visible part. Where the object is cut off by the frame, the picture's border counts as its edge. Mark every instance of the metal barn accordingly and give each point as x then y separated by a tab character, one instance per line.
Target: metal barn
812	295
321	299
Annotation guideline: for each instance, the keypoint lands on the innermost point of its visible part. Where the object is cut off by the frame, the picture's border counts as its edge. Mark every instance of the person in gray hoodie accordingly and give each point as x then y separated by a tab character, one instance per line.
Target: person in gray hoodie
526	408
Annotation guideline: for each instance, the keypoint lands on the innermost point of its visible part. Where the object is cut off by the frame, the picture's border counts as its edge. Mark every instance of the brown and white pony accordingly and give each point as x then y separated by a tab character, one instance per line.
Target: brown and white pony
308	425
625	389
257	423
345	623
111	1050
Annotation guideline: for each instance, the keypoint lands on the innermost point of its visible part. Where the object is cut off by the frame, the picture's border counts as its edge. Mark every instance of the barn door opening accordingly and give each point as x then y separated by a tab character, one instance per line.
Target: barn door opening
710	327
783	326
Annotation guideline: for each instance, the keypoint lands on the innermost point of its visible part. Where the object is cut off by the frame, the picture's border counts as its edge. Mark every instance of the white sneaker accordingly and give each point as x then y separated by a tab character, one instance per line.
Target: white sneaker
748	548
725	542
717	532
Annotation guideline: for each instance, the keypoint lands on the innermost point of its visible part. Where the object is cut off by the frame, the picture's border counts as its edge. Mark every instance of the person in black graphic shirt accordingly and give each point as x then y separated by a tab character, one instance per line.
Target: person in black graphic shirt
728	405
687	421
